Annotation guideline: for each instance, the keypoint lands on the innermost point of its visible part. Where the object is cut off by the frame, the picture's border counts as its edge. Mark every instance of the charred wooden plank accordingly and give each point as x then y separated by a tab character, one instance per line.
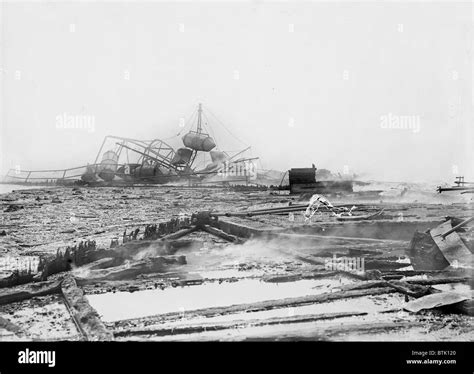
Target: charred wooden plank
202	327
281	278
16	278
129	271
328	333
237	229
179	234
29	291
414	290
215	231
11	327
440	280
266	305
85	316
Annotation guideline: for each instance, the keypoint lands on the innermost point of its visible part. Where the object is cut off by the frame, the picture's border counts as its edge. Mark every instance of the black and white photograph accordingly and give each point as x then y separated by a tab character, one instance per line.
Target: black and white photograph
236	171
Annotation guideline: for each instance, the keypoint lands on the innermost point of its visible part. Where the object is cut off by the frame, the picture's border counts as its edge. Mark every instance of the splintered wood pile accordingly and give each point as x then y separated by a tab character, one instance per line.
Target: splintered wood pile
203	277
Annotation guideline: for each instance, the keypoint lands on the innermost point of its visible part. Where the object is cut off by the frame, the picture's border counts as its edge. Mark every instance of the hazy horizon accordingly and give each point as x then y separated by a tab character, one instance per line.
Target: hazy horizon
302	83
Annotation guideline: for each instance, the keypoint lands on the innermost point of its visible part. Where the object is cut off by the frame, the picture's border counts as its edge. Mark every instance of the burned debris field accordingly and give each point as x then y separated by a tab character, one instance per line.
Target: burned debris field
175	263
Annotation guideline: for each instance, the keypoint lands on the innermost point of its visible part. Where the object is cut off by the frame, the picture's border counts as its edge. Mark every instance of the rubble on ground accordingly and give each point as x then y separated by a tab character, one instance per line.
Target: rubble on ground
133	264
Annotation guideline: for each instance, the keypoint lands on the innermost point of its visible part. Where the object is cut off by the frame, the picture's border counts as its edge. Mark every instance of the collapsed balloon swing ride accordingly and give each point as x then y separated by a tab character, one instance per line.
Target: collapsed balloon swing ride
123	160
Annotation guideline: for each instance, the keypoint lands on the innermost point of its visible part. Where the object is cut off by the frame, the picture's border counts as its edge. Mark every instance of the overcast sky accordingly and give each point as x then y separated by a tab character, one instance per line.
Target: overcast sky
302	83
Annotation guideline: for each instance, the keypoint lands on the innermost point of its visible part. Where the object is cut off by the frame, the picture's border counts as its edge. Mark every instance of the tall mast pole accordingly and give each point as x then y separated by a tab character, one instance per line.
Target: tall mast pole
199	127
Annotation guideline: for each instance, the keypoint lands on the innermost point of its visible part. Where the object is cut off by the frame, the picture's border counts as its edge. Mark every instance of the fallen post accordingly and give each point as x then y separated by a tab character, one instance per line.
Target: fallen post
11	327
457	227
85	316
264	305
203	327
28	291
131	270
429	282
215	231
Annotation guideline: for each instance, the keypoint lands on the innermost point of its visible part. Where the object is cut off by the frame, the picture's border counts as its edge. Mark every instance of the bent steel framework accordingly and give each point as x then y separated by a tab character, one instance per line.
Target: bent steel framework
123	159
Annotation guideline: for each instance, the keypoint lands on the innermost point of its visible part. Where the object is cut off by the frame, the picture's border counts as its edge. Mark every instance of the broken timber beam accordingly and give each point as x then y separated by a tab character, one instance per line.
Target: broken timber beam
244	231
337	333
203	327
85	316
158	264
215	231
11	327
429	282
179	234
458	226
29	291
265	305
239	230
